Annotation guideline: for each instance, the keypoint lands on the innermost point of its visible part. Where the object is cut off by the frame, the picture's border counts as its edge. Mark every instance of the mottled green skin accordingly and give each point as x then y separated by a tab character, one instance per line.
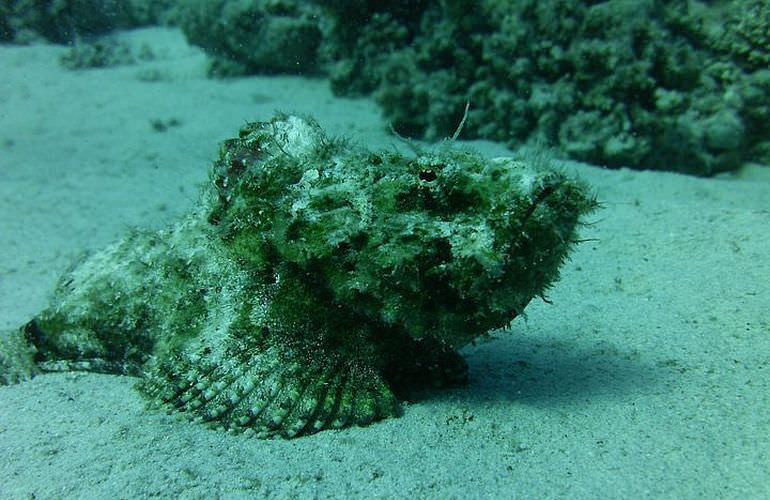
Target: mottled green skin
314	281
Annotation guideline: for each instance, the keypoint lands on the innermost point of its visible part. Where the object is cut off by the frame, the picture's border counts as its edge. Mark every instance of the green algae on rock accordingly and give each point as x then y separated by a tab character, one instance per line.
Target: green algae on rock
314	282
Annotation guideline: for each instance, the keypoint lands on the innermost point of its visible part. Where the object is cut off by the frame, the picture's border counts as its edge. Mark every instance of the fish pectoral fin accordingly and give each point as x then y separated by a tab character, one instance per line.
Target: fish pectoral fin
270	392
17	357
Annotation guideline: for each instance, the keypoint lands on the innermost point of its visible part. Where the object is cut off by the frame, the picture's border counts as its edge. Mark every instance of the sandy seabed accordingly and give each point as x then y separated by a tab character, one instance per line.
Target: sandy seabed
648	375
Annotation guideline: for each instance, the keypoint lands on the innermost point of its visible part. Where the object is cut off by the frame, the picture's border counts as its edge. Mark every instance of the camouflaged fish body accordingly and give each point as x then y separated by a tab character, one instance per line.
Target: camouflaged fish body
313	282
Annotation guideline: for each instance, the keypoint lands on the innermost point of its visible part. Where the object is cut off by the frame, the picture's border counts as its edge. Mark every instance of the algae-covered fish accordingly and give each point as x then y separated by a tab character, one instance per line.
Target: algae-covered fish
313	283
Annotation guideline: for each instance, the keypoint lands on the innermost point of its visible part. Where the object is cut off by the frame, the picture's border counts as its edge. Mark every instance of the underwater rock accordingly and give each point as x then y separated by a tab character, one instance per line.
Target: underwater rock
314	282
253	36
616	83
66	21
